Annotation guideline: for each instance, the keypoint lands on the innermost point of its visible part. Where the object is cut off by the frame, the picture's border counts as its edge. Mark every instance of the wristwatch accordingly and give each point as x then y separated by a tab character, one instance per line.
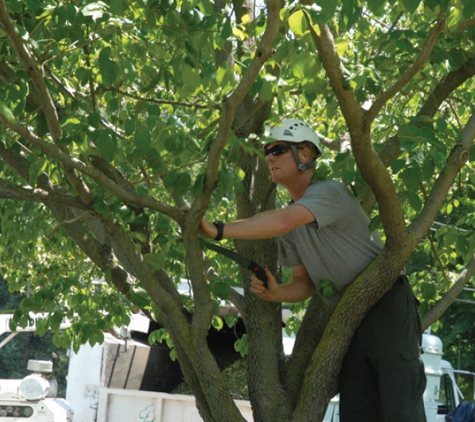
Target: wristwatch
220	226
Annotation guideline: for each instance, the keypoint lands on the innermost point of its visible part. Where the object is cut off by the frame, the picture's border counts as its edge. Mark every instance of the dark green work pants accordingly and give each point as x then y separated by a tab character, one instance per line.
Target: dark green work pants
382	378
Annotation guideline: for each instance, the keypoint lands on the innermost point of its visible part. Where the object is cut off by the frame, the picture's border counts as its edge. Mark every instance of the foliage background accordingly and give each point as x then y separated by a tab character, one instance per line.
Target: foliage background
117	115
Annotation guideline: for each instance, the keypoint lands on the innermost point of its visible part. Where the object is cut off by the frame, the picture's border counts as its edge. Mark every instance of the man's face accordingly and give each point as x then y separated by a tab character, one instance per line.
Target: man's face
281	161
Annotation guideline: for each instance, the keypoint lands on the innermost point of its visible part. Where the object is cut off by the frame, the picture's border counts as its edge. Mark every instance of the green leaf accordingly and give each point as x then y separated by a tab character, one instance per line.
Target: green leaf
265	93
241	345
56	320
41	326
414	201
376	6
94	119
462	245
468	8
428	290
456	16
221	289
298	23
14	6
411	5
191	78
139	297
427	169
155	260
231	319
350	12
142	138
217	323
299	65
129	126
328	288
398	165
101	207
117	7
6	112
107	145
109	68
83	75
411	177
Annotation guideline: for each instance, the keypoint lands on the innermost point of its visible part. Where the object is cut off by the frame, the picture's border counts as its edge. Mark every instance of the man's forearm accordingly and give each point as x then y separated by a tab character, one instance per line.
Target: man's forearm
294	291
260	226
269	224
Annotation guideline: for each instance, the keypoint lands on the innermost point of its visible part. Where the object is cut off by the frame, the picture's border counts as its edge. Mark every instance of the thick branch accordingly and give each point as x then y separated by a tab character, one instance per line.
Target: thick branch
33	70
325	44
326	361
372	169
310	333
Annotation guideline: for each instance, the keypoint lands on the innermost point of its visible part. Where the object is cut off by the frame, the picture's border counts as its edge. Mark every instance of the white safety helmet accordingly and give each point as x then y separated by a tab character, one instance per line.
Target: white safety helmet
296	131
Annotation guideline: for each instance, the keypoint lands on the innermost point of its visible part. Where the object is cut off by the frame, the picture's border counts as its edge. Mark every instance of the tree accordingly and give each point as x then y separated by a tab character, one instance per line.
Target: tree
119	115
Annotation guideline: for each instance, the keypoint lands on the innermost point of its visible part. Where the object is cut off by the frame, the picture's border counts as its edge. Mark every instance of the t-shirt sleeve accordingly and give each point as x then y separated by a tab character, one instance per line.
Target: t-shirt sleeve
326	202
288	256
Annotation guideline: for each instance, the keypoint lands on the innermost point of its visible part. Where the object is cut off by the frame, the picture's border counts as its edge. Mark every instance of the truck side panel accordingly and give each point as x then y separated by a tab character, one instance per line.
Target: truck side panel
145	406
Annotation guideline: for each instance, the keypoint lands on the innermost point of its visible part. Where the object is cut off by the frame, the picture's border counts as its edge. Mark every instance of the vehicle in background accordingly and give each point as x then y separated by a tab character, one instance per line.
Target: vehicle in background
33	398
126	378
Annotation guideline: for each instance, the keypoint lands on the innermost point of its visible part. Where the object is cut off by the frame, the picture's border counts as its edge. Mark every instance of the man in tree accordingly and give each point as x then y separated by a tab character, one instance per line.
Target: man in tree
324	237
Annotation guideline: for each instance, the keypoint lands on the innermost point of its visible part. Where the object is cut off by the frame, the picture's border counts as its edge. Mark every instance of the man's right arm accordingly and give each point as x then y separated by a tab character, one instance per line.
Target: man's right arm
300	287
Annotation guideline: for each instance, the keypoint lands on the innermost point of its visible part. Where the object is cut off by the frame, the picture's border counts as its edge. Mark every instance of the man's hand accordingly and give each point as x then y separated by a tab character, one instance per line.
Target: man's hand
259	289
300	287
208	229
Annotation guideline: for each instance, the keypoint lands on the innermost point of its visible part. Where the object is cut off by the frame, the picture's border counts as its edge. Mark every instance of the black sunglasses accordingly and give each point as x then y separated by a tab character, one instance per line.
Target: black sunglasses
276	149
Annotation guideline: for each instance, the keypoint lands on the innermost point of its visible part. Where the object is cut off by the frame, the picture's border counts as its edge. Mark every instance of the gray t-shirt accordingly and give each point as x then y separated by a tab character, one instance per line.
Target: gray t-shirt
338	246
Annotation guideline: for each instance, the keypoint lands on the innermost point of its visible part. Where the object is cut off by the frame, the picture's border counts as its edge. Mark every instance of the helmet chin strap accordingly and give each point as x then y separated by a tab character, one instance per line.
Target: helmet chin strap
301	166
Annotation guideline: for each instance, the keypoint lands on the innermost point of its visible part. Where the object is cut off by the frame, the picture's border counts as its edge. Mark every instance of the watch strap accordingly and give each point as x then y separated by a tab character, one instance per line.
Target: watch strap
220	226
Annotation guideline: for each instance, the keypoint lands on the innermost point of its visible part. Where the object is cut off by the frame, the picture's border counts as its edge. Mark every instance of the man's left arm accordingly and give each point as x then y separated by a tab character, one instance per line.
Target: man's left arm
264	225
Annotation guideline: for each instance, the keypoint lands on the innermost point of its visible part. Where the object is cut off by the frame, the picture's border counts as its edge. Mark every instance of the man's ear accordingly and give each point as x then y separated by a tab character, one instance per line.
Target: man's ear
305	155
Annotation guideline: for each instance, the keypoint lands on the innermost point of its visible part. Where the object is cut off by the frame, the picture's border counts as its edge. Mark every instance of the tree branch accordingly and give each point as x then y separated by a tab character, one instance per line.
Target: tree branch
54	152
155	100
391	149
456	160
263	52
194	259
33	69
40	195
410	72
347	100
448	298
311	331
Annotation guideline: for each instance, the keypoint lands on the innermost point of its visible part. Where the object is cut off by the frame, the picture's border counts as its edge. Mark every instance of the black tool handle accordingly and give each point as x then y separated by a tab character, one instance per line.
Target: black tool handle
259	271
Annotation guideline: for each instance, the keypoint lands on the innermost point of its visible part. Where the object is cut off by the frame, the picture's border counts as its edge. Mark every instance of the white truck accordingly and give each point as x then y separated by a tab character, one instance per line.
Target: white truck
32	398
100	387
106	383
